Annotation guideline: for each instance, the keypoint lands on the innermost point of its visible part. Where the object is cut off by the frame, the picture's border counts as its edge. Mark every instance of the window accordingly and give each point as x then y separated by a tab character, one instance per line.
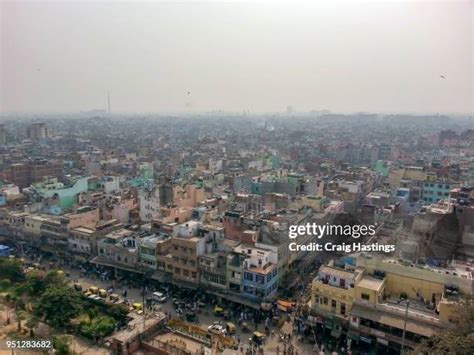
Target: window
342	283
248	289
333	304
325	300
248	276
343	309
365	296
259	279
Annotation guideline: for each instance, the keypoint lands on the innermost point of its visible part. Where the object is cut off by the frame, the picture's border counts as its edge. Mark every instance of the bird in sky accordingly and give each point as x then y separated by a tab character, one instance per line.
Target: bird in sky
442	76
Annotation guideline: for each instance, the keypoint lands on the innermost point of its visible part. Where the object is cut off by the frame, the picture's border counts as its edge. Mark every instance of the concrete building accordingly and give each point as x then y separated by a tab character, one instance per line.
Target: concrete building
149	204
38	131
51	188
3	135
373	297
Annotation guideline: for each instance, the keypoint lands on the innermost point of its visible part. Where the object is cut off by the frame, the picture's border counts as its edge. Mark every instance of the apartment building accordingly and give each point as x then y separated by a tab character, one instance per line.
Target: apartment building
149	204
386	303
259	279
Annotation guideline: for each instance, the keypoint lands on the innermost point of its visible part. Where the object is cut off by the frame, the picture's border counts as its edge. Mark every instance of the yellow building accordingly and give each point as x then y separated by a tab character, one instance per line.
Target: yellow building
333	292
385	298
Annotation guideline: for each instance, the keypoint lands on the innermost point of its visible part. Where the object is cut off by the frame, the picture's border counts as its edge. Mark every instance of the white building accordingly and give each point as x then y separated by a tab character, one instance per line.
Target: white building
149	202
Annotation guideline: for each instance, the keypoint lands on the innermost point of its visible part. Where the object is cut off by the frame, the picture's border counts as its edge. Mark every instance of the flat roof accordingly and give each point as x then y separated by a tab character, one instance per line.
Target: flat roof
84	230
336	271
371	283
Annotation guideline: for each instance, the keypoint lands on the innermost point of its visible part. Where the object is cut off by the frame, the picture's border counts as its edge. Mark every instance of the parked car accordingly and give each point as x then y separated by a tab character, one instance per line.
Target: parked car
217	329
159	297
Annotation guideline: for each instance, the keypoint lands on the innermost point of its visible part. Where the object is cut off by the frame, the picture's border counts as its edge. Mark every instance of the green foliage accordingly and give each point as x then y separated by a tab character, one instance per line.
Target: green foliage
11	269
31	323
61	344
5	284
36	283
20	305
58	305
98	328
20	317
92	313
118	311
54	278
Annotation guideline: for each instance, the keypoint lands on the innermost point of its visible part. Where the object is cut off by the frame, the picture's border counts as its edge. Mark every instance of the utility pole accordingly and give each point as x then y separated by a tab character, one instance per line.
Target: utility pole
405	327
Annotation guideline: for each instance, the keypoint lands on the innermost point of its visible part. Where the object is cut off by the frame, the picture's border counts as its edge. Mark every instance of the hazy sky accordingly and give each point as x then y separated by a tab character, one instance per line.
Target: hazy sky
342	56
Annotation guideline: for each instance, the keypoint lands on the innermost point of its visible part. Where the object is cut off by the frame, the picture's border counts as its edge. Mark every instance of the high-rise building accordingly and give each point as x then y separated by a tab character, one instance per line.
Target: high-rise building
37	131
3	135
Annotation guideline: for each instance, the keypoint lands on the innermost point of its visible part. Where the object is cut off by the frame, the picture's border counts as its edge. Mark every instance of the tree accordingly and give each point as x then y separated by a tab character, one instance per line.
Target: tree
92	313
20	317
99	328
61	344
54	278
58	305
5	284
37	282
31	323
11	269
34	283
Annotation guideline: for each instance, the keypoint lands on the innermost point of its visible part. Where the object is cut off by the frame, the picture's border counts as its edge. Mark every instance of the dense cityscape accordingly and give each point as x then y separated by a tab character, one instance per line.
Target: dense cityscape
161	234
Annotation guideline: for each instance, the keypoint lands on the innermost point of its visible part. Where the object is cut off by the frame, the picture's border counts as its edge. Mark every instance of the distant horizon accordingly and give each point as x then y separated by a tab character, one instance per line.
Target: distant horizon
229	112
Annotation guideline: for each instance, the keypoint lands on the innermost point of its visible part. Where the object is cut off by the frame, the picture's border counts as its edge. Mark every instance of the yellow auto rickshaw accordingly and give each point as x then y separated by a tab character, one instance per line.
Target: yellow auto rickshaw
102	293
230	327
94	290
219	311
137	307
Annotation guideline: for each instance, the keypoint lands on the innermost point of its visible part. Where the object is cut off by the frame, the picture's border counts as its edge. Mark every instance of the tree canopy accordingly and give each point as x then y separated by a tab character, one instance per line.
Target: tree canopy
58	305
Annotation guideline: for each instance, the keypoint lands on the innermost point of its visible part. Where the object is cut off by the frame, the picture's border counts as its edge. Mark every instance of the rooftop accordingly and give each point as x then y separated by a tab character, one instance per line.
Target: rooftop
371	283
